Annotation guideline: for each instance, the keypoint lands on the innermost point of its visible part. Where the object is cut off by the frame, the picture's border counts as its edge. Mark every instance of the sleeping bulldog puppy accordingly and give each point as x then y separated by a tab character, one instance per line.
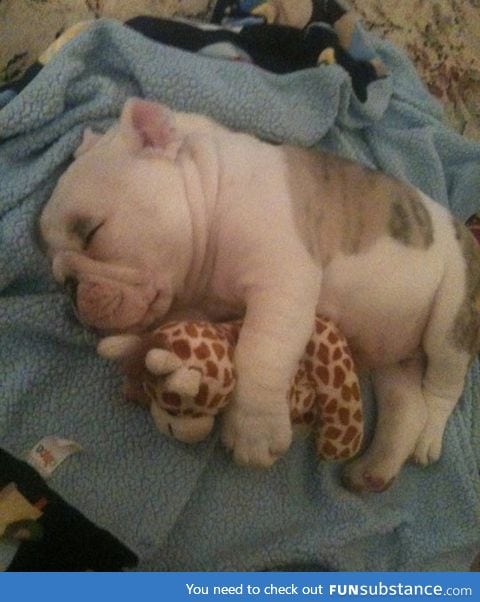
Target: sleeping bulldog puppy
170	212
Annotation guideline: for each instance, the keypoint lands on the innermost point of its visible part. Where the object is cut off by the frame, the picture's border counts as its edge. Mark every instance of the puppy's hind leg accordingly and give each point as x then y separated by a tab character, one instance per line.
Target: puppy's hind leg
401	415
451	339
448	357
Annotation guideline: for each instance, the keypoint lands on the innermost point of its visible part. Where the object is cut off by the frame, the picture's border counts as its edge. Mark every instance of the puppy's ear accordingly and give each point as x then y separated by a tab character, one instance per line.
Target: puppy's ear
90	138
149	127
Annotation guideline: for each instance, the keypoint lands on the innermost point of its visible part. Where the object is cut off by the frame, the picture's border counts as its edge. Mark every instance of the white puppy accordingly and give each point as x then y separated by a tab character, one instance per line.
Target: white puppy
167	212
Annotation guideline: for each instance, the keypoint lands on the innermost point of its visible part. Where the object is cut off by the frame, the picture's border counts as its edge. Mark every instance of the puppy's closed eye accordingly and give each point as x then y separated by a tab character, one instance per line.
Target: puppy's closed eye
85	229
89	237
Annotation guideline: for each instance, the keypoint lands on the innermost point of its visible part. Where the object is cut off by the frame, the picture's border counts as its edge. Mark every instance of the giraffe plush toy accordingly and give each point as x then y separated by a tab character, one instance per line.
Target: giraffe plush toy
183	371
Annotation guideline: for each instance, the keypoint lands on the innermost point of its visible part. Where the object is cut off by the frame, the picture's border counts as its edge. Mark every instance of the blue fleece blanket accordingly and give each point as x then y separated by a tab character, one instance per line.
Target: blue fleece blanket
189	507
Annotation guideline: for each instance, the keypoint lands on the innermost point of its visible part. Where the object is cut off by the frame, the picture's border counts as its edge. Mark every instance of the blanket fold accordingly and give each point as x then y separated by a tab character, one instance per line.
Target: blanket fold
191	508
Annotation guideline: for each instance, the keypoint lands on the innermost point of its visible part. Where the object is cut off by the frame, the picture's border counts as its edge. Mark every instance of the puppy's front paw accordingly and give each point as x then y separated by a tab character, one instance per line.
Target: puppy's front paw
256	439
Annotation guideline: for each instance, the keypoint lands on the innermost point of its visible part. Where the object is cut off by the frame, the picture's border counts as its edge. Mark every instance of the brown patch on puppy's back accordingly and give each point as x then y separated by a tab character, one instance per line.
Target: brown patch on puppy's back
466	329
410	222
343	206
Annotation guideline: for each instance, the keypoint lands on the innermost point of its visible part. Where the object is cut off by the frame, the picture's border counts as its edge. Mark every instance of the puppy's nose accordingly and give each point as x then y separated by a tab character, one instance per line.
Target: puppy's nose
71	285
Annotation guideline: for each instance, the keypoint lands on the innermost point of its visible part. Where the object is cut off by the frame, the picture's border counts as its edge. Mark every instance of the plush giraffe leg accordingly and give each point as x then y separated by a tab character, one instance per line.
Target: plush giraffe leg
325	394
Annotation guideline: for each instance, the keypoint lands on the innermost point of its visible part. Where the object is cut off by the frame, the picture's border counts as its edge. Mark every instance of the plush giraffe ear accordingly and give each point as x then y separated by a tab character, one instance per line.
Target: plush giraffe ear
119	346
90	138
149	127
161	362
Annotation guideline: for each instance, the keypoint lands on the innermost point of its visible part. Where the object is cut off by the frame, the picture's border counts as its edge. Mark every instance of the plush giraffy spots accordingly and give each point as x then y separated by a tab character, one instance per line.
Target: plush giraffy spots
184	372
325	394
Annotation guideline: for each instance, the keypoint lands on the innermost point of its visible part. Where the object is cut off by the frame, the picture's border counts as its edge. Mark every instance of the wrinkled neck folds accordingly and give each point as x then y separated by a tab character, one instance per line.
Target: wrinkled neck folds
200	164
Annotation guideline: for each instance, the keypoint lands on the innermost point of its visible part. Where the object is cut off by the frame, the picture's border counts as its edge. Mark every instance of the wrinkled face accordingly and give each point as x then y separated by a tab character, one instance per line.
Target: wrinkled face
118	227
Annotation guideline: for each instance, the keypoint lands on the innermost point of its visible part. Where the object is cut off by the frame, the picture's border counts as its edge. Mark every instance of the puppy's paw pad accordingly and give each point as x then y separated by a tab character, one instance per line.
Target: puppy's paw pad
363	477
377	483
256	440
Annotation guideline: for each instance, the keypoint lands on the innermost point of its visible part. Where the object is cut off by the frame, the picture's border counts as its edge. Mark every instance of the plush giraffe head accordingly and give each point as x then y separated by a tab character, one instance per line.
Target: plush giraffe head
183	371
